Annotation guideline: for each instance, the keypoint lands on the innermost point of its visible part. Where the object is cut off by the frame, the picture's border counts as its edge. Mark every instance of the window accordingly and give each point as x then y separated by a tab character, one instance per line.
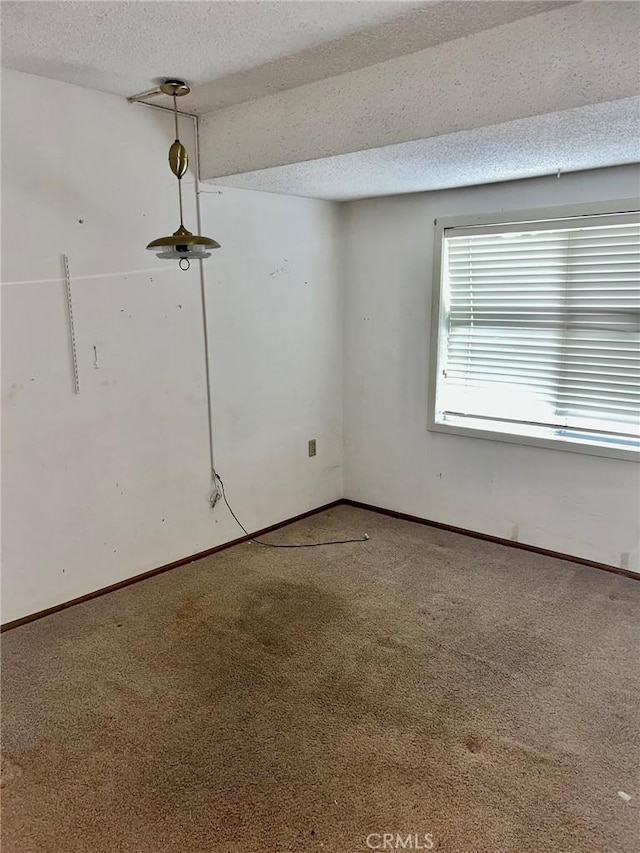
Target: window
536	329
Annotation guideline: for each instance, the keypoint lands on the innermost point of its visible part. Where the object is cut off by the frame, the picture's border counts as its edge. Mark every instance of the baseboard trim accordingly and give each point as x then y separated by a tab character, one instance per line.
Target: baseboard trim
24	620
497	539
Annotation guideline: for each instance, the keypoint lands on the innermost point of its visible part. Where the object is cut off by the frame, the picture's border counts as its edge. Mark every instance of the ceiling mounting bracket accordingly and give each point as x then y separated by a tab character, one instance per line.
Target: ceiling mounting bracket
170	87
174	87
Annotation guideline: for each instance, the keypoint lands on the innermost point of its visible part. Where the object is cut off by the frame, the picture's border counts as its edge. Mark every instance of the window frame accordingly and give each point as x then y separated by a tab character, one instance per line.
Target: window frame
438	335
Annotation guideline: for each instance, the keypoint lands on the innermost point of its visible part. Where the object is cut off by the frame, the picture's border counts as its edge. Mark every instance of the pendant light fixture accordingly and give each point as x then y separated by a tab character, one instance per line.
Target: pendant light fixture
182	245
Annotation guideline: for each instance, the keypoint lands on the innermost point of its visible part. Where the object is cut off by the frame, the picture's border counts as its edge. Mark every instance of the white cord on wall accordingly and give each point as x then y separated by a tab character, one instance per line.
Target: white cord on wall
215	493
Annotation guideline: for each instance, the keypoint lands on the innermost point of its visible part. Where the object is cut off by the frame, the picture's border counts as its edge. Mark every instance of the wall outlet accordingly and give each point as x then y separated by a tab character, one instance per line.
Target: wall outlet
312	447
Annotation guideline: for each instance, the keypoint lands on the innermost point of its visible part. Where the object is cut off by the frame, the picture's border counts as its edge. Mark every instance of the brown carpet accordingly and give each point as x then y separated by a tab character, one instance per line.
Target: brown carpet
302	700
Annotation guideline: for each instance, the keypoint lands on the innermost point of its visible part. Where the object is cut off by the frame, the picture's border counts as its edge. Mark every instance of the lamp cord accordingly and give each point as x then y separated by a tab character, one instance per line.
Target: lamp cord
175	114
274	545
175	118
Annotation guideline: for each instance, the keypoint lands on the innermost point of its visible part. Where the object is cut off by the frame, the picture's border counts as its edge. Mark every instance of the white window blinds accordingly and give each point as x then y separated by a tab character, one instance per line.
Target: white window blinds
542	325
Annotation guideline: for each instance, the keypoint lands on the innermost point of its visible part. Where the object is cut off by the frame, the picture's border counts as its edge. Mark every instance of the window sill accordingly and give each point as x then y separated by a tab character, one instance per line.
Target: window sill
539	436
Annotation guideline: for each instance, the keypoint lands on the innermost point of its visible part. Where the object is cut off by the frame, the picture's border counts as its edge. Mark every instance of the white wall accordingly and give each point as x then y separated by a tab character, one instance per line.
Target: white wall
112	482
582	505
275	307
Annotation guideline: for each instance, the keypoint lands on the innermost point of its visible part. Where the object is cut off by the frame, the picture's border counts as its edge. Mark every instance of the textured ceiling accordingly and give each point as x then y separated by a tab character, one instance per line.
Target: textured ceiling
231	51
235	52
582	138
435	23
581	54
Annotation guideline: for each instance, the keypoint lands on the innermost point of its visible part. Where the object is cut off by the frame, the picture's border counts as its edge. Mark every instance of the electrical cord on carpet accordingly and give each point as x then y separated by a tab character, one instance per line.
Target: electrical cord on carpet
274	545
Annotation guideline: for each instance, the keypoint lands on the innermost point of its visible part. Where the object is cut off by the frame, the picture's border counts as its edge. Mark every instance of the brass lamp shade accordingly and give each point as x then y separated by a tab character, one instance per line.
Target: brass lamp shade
182	245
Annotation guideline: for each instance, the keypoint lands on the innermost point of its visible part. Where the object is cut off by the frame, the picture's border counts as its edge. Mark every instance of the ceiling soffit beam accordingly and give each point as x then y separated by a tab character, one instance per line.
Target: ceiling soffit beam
577	55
